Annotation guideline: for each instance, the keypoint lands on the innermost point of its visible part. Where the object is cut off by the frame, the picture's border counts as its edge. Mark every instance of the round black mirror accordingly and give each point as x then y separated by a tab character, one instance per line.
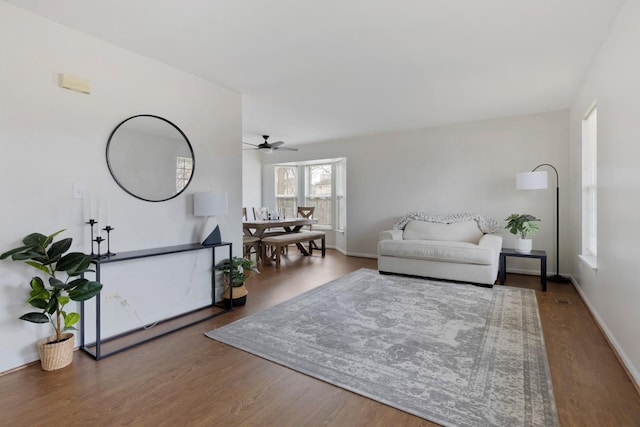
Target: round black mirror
150	158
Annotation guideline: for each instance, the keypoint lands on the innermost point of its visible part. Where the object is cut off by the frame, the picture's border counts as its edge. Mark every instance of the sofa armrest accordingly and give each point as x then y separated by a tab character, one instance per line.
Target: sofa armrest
390	235
492	241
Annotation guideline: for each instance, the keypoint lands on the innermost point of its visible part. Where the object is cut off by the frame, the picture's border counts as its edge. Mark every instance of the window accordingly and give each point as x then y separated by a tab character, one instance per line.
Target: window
341	202
286	190
590	187
184	169
320	184
318	192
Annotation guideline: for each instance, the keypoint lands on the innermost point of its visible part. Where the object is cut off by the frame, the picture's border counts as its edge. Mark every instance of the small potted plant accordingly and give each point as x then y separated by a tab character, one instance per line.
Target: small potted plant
523	226
51	259
234	274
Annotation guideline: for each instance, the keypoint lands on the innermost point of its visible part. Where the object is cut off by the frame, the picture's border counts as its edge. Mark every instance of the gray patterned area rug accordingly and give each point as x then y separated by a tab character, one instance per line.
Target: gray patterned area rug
457	355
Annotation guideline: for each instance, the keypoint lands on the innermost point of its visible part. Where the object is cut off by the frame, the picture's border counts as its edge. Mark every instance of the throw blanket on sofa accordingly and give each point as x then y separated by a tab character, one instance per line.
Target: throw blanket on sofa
487	225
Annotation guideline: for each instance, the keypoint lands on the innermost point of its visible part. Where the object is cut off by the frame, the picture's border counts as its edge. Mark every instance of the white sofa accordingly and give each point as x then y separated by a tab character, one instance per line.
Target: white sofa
457	251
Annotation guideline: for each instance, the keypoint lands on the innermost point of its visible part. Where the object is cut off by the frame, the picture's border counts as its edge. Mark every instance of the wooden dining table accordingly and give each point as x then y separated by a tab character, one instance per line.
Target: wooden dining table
290	225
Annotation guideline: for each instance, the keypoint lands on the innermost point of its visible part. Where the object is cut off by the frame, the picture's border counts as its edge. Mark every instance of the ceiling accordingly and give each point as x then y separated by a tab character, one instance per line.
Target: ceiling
312	71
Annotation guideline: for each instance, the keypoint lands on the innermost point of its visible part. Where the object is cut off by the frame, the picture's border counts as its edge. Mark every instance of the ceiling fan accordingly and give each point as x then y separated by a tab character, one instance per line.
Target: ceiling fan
266	146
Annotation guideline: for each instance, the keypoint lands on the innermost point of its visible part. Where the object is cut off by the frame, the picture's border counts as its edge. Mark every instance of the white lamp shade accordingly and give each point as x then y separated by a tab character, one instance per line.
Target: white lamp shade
531	180
210	204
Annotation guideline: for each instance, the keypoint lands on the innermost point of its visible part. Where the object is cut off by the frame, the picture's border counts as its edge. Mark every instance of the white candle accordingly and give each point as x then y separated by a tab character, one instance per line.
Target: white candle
107	208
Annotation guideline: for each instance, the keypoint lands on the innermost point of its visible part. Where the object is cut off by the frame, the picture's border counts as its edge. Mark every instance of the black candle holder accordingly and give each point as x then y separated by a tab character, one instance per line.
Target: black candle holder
92	222
98	240
109	229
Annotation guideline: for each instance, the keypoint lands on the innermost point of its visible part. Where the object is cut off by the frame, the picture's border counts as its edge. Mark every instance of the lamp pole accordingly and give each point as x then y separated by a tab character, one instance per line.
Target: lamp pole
556	277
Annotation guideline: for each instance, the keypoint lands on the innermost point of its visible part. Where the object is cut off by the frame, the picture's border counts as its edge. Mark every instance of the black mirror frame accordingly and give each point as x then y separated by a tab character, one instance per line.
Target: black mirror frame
193	168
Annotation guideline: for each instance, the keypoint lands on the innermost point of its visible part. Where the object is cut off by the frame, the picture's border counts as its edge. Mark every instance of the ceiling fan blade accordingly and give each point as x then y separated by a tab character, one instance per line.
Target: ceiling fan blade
268	147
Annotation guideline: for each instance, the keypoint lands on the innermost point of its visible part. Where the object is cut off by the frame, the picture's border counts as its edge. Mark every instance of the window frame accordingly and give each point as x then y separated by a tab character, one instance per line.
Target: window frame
278	206
308	197
337	210
589	252
181	161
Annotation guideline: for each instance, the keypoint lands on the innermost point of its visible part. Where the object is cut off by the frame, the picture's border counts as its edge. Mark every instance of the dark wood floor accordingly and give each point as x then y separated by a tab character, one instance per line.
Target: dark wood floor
188	379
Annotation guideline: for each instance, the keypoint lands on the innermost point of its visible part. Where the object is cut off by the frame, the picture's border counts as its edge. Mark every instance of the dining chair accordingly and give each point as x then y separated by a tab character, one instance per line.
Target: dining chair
307	212
250	244
256	214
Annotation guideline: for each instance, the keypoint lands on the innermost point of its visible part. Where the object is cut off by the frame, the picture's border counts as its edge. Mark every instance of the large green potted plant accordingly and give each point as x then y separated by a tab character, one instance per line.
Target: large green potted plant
523	226
234	274
63	273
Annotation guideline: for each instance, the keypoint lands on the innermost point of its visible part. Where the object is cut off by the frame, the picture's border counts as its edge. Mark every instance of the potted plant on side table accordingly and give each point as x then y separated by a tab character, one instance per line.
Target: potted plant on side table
234	274
51	259
523	226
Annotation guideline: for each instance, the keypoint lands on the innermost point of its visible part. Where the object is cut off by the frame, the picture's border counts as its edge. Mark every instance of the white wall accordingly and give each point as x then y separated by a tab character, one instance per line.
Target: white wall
462	168
52	138
251	180
613	291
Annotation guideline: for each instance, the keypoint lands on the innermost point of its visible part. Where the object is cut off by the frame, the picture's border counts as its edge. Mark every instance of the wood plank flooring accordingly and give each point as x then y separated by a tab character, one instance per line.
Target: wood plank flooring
188	379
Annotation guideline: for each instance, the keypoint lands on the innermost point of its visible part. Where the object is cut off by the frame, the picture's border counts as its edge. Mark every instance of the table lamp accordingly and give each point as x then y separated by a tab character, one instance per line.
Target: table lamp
209	205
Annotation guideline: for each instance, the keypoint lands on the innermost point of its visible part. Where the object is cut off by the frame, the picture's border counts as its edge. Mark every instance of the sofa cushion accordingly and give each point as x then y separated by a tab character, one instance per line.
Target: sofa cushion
457	252
466	231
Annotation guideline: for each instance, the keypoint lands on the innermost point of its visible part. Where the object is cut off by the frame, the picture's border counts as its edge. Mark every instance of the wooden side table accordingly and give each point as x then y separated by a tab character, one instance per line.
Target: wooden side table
541	255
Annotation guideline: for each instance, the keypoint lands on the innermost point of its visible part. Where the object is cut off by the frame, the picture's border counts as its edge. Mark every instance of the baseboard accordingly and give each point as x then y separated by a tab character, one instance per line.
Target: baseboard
626	364
337	249
360	255
18	368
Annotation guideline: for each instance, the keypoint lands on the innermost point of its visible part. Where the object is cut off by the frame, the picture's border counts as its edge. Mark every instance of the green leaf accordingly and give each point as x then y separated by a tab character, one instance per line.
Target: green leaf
63	300
35	317
37	284
28	254
50	237
73	263
223	265
52	305
14	251
85	291
58	248
81	268
38	303
35	239
77	282
39	266
70	319
522	223
39	294
57	283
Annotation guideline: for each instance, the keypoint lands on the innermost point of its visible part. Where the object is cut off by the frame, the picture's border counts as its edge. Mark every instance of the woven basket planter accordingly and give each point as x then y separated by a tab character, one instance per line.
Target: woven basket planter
239	295
55	355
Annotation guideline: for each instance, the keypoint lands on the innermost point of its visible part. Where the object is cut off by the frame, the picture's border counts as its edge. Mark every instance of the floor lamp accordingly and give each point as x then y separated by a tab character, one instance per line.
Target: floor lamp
209	205
537	180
